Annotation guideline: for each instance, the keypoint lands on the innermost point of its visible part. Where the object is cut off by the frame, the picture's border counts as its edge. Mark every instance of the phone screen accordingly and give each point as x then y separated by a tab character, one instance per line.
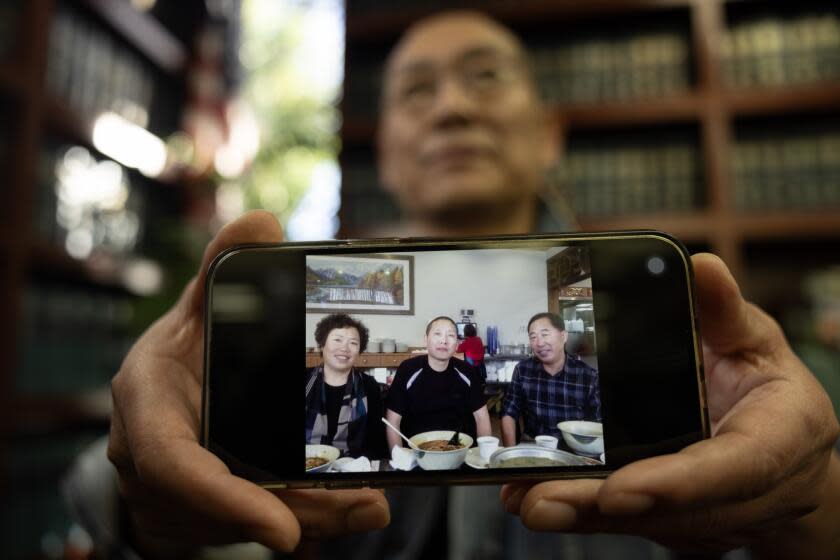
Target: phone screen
531	357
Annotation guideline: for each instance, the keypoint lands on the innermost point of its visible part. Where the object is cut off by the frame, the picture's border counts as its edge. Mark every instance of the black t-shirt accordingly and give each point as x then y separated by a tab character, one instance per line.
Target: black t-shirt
435	400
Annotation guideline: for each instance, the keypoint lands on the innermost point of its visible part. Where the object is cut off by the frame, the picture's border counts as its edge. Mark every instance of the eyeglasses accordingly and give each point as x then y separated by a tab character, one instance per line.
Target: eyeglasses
480	77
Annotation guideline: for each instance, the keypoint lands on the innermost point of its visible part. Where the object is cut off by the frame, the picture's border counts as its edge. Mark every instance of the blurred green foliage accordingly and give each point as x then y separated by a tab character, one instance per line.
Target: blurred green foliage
297	115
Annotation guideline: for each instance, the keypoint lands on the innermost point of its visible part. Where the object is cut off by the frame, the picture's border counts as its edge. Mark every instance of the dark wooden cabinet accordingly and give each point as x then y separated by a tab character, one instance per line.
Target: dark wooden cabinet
711	65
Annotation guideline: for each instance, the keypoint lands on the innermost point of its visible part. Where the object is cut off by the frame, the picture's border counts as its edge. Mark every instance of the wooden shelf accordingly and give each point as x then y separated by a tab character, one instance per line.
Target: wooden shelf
748	227
684	108
367	359
143	32
35	415
691	227
791	99
789	224
388	23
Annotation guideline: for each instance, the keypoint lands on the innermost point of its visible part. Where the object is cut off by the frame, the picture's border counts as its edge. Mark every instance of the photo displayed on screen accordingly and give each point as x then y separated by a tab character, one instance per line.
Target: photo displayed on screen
390	384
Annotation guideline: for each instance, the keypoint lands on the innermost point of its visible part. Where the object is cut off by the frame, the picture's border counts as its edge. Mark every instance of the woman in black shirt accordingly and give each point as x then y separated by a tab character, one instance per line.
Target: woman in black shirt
437	391
343	405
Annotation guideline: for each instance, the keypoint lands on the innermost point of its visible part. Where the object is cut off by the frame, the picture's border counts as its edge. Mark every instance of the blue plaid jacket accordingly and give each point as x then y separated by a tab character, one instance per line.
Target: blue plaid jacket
544	400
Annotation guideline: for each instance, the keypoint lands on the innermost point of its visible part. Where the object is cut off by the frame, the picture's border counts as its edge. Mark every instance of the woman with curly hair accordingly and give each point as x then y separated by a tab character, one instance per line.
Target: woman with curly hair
343	405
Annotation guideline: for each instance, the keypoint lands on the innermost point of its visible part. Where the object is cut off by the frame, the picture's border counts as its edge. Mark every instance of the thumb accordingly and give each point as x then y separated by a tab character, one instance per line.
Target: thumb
257	226
727	321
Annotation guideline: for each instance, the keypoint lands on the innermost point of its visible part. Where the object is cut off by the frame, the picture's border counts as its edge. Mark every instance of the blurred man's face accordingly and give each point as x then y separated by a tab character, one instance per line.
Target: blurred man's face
461	125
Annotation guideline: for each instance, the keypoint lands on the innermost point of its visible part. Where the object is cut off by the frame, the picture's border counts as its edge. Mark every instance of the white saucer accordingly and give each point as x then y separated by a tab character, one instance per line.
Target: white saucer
475	460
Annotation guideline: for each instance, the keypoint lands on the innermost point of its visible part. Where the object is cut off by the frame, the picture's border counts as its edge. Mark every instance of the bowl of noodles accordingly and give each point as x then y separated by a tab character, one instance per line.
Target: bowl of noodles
320	457
436	454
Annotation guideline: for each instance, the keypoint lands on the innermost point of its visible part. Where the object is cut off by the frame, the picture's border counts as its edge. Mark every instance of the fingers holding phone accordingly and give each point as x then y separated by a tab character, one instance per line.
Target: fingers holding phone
174	487
763	471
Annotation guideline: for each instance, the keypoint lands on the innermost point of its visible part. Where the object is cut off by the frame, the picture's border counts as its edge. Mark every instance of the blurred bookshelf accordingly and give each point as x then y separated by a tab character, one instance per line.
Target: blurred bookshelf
676	113
71	304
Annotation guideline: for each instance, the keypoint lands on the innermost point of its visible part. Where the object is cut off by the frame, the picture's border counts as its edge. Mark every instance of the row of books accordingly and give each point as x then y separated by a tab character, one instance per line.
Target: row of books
773	51
602	181
86	204
790	171
608	68
73	340
91	72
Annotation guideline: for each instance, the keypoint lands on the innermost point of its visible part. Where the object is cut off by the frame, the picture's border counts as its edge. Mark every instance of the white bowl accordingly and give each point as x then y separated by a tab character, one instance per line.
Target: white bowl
327	452
441	460
586	438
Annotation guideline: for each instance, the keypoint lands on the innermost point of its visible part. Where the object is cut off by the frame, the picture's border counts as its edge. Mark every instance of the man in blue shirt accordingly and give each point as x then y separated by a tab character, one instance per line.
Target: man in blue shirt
551	386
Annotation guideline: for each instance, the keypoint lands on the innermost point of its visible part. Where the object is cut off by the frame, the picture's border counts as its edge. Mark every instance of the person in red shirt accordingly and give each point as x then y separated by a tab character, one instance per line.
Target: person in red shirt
473	350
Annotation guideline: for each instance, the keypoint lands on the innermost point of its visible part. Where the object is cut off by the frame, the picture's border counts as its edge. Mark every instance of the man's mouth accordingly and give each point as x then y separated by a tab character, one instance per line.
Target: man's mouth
454	153
455	158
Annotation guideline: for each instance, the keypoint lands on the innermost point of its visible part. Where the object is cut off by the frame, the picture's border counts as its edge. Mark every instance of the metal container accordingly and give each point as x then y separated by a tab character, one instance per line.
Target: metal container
563	458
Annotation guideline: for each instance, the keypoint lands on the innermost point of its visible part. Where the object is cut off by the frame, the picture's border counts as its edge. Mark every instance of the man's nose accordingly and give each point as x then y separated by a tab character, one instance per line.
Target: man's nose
453	102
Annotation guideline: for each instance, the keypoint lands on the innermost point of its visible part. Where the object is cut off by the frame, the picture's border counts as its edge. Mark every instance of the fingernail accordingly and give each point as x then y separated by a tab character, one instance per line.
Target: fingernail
366	517
626	503
549	515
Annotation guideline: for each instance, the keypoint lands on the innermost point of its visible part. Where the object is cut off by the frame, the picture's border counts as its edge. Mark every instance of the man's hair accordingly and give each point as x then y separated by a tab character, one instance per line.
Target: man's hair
340	321
440	318
553	318
469	330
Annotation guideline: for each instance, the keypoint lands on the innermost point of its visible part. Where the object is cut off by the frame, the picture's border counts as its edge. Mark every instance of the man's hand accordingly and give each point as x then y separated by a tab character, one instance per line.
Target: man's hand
177	490
764	470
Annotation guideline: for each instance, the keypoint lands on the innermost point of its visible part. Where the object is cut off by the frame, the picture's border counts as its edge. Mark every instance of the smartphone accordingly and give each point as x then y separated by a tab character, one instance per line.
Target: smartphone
584	357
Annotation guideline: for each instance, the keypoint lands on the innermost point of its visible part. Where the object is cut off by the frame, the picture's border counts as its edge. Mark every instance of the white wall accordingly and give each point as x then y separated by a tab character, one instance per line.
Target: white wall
504	288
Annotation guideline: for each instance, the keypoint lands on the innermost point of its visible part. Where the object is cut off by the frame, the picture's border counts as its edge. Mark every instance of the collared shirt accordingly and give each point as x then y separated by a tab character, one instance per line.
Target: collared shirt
544	400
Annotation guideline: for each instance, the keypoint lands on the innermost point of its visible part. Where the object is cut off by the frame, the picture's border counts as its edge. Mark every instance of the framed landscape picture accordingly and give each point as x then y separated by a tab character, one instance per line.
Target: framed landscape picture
378	284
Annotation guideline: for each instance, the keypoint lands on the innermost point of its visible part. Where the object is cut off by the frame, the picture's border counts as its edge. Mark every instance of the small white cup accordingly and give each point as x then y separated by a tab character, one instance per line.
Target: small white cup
487	445
547	441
